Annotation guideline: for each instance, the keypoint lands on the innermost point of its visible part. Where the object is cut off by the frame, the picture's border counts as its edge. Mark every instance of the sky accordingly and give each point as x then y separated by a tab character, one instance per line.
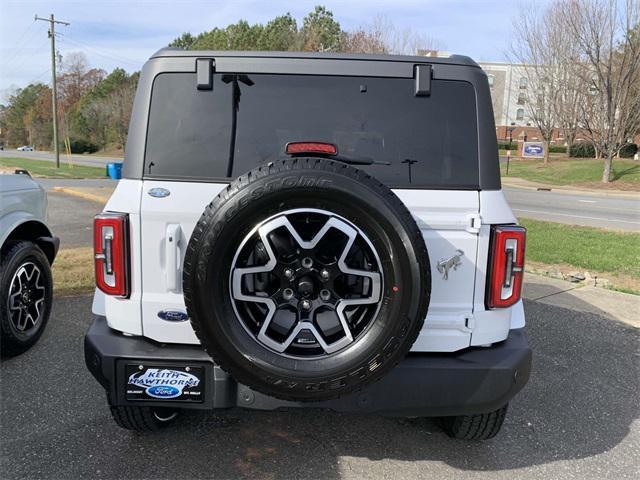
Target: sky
124	33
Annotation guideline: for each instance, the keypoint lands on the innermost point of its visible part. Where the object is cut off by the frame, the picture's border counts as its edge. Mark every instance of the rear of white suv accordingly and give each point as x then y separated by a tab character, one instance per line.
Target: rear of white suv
323	149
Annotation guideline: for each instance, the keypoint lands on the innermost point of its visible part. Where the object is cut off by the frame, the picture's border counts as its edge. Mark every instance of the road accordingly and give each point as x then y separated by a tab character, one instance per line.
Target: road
591	210
88	160
576	419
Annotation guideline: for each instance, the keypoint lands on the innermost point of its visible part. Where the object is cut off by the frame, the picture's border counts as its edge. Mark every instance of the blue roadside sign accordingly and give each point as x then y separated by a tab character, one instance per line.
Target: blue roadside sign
533	149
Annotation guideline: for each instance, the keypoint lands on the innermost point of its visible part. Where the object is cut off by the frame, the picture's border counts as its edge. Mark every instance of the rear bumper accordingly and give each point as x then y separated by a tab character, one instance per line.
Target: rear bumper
476	380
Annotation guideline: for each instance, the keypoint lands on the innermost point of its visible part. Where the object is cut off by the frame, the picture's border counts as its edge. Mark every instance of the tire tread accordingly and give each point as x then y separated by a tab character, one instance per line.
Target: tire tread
309	164
481	426
138	419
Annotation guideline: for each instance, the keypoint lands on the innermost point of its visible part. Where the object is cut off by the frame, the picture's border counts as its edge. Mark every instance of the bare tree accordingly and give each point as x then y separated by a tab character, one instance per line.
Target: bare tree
405	41
570	98
569	104
607	35
76	78
363	40
537	49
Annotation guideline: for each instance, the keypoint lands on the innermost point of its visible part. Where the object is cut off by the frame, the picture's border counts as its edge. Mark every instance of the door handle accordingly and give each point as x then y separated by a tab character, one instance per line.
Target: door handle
171	250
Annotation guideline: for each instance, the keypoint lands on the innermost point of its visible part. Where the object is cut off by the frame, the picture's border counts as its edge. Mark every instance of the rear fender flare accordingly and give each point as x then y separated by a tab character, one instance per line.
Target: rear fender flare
26	226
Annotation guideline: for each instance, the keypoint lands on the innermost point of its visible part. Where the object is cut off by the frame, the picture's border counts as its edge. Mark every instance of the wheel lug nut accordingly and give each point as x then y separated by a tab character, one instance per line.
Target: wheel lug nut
305	304
288	273
324	274
307	262
325	294
287	293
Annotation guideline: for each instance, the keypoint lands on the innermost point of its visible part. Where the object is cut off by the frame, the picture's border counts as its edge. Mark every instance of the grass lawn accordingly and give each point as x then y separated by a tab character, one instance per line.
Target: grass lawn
73	271
574	171
43	168
613	255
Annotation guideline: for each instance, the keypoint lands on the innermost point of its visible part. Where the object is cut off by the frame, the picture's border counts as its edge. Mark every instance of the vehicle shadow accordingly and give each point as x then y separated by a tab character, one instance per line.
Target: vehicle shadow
580	402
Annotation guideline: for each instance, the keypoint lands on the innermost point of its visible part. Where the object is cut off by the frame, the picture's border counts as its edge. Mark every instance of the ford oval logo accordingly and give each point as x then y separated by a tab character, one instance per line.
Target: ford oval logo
159	192
163	391
173	315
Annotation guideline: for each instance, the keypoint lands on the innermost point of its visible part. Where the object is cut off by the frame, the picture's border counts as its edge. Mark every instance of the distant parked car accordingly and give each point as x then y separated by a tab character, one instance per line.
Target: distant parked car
27	251
25	148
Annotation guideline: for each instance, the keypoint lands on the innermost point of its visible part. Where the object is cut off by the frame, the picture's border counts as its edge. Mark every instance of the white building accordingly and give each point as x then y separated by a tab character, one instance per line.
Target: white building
508	93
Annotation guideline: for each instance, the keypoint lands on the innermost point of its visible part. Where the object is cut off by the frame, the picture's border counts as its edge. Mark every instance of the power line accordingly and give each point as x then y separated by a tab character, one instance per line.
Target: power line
23	45
35	79
19	61
101	53
20	38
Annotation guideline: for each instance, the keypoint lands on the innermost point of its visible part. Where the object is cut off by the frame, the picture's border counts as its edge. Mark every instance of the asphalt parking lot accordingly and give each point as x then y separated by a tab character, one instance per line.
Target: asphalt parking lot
71	219
577	418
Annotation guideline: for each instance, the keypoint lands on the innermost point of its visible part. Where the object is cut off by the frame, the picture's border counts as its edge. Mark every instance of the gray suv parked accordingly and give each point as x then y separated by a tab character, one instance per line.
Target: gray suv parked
27	251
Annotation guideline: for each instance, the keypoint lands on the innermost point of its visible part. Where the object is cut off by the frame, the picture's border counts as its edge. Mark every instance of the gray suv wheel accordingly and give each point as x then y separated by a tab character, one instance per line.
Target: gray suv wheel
26	290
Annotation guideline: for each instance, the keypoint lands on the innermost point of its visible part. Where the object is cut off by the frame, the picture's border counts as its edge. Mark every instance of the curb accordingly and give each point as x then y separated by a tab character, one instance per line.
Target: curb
583	298
85	195
506	181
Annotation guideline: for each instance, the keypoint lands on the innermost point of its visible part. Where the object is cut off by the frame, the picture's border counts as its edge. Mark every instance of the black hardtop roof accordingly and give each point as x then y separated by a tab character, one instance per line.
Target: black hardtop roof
453	68
450	60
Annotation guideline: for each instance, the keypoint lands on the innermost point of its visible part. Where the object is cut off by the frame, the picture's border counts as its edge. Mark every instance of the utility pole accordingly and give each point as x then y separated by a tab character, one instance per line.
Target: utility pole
54	90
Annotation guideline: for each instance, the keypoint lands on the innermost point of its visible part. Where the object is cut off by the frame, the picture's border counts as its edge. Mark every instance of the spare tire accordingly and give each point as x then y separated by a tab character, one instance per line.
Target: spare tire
306	279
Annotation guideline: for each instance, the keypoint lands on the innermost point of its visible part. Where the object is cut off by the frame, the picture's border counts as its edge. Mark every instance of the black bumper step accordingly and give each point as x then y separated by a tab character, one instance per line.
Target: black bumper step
475	380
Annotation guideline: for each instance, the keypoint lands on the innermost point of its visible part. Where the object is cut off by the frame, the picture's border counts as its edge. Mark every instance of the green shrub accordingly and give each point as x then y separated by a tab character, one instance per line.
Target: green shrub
582	150
629	150
80	145
557	149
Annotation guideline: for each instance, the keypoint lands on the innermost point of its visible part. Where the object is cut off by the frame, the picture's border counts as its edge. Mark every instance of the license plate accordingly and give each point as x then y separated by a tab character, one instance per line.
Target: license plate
161	382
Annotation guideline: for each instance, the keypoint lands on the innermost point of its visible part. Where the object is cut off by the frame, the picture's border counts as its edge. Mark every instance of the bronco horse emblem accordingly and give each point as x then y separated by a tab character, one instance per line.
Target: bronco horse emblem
450	263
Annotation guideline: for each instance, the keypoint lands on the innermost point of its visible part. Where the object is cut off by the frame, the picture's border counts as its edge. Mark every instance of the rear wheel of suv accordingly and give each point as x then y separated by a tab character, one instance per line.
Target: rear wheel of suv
307	279
481	426
26	293
143	419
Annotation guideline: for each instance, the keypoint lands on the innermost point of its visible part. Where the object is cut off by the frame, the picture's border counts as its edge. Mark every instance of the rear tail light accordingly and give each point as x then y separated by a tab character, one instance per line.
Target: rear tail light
111	253
506	265
300	148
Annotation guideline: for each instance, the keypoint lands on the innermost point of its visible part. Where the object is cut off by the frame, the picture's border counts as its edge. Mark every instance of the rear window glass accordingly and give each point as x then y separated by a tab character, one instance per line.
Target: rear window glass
416	142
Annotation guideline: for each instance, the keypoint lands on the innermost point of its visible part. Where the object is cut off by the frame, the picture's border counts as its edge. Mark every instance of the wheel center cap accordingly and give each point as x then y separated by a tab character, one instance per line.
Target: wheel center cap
306	286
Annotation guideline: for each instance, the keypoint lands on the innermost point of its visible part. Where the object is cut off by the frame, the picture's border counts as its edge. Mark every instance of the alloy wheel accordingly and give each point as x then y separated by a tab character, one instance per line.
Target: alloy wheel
26	299
306	283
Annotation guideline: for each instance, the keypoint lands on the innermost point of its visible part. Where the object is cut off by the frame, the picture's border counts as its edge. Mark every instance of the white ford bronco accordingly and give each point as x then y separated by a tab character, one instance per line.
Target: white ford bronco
310	230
